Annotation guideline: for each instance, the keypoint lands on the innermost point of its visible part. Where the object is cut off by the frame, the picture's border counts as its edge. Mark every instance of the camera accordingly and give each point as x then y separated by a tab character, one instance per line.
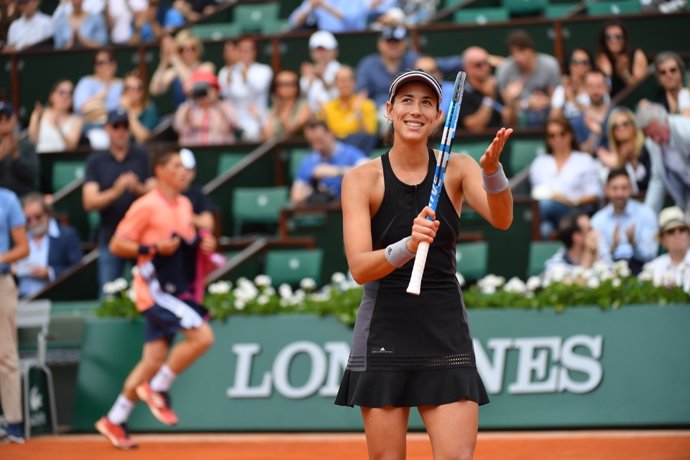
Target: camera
199	89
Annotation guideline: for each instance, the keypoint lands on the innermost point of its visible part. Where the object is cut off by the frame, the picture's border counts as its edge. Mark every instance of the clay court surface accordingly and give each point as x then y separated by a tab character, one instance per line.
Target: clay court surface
560	445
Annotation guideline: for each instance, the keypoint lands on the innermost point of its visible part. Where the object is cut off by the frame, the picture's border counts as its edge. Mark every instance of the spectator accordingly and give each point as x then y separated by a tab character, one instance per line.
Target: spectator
528	78
581	245
627	227
590	124
482	104
563	180
624	65
13	246
113	180
246	84
668	143
18	159
31	28
376	72
55	128
670	74
184	11
332	15
351	117
289	111
202	206
146	27
143	115
570	98
9	11
96	95
53	247
79	29
204	119
318	77
321	173
626	149
672	268
121	17
179	58
428	65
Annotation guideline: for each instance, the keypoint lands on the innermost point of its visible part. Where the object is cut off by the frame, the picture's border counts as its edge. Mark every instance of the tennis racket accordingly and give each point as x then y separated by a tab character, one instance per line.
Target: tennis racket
414	287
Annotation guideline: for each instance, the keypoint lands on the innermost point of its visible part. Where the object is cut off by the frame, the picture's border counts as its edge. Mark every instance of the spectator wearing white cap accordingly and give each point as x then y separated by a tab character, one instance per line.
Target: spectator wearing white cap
317	78
246	84
331	15
202	206
672	268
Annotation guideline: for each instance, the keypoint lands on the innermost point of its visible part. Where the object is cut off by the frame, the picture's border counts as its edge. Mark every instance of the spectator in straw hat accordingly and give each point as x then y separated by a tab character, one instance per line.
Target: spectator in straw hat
672	268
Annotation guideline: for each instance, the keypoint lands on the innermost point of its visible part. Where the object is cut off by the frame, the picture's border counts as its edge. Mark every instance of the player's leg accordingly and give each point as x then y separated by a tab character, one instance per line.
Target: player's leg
197	342
113	425
386	430
452	429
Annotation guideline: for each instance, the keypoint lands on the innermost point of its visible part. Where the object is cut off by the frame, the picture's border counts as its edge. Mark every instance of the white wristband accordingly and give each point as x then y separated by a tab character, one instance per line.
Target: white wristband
397	253
496	182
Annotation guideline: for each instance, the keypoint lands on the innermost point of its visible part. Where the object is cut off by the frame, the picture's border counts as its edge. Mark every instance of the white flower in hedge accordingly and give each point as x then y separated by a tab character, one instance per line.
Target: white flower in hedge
461	279
601	268
533	283
622	269
491	281
299	295
262	280
109	288
285	291
220	287
263	299
593	282
647	273
616	282
270	291
239	304
131	294
321	296
558	274
515	285
308	284
338	278
120	284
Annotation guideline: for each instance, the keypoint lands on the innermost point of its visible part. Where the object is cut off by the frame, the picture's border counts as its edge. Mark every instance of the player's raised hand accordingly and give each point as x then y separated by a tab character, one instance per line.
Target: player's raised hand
489	161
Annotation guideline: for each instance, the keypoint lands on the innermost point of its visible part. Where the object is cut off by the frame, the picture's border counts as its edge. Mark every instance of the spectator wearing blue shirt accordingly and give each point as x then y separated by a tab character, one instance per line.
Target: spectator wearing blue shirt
320	173
13	246
331	15
590	124
96	95
79	28
627	227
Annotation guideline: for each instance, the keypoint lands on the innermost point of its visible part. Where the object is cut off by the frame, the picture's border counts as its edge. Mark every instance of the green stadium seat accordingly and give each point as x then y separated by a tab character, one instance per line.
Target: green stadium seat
293	265
523	152
472	259
613	8
473	149
227	160
251	18
480	15
559	10
539	253
66	172
216	32
260	205
275	27
296	157
524	7
378	152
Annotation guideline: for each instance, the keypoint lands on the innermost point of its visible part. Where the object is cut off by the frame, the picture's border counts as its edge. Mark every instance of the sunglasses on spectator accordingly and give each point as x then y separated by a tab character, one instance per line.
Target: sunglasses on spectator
622	124
675	230
117	126
576	61
614	37
555	134
35	217
286	83
186	48
64	92
669	71
103	61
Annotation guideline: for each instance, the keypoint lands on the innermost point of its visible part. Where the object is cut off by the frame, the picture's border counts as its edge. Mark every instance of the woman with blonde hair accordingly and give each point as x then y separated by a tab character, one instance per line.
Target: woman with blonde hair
626	149
179	58
55	128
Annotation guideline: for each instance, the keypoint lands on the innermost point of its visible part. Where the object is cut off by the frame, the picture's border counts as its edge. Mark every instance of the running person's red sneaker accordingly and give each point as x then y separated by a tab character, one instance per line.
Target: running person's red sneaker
116	434
158	403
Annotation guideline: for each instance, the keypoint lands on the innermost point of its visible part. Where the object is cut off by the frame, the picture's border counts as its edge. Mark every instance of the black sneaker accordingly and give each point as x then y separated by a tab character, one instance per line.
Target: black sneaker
15	433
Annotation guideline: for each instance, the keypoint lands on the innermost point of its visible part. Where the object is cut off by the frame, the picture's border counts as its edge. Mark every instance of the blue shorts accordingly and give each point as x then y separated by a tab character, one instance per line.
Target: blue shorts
163	324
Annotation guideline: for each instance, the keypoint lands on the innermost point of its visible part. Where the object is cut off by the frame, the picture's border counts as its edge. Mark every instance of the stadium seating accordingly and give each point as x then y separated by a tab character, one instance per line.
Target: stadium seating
472	259
66	172
481	15
258	205
292	265
539	253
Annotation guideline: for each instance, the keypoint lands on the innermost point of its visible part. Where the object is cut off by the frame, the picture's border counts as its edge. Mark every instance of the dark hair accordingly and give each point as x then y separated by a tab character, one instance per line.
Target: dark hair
519	39
566	64
567	127
160	157
35	197
109	53
55	87
314	123
617	172
568	226
603	47
274	84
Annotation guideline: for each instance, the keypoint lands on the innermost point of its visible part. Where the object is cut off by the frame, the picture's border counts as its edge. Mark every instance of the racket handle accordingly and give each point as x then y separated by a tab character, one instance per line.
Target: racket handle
418	269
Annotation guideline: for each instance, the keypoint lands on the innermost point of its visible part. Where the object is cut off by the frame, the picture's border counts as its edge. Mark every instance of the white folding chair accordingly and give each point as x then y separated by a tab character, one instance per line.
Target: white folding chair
36	315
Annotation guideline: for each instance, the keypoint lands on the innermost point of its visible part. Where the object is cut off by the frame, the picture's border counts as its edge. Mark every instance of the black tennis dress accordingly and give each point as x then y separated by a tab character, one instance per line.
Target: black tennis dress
412	350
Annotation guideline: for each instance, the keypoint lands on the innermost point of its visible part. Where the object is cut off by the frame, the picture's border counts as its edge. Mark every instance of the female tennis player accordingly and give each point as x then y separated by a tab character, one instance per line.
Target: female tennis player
408	350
